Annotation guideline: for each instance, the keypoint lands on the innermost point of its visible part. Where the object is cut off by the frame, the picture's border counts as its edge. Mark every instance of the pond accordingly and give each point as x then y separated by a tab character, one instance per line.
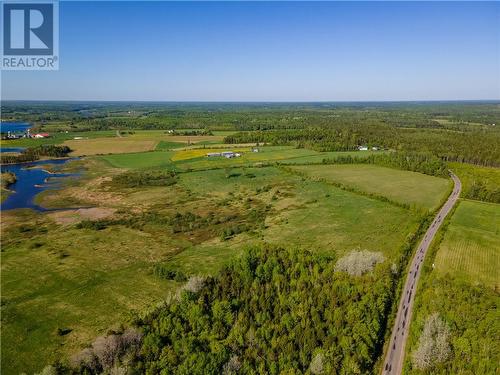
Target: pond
30	182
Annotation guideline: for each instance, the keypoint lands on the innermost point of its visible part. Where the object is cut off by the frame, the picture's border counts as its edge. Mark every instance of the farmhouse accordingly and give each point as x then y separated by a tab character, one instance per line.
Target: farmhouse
226	154
41	135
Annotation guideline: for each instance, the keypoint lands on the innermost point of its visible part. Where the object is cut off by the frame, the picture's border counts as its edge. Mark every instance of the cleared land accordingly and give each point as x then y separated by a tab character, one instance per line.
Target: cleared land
401	186
99	146
471	246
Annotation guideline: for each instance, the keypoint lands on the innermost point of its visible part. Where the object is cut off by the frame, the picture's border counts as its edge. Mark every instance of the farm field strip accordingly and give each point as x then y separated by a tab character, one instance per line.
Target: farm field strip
470	249
402	186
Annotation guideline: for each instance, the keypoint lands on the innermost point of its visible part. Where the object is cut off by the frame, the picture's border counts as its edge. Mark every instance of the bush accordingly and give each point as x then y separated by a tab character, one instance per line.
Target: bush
357	263
433	346
145	178
166	272
108	352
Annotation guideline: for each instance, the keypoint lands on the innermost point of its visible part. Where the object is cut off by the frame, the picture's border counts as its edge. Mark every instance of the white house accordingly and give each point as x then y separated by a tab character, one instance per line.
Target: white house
362	148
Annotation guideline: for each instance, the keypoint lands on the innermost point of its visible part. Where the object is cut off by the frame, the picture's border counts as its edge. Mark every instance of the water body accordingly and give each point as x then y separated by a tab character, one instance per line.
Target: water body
15	127
12	149
30	182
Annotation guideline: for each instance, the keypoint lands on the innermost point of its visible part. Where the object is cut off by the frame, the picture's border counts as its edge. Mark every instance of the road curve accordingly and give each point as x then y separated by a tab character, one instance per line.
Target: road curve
393	363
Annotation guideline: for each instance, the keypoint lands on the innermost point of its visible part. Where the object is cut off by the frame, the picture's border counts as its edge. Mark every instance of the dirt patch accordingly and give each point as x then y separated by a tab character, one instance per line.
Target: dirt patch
68	217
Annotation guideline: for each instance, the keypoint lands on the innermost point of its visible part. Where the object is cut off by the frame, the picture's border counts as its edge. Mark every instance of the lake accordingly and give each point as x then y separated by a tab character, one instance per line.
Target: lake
16	127
30	182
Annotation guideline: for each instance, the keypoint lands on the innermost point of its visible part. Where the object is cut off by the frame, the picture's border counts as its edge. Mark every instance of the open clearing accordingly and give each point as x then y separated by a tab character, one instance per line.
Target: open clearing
140	160
99	146
471	247
401	186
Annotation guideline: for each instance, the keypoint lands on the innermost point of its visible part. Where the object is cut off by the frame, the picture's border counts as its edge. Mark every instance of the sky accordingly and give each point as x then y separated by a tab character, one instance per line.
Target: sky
270	51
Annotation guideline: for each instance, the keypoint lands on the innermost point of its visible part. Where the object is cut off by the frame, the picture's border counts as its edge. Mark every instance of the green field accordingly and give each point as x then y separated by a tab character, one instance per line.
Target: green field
471	246
140	160
196	157
401	186
70	279
460	281
59	278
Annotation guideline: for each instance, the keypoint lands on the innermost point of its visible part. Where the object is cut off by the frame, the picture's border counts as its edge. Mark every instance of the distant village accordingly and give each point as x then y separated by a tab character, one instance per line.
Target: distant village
25	134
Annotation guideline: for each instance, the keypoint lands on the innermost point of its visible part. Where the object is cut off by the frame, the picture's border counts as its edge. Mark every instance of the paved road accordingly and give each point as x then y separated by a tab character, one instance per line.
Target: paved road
393	363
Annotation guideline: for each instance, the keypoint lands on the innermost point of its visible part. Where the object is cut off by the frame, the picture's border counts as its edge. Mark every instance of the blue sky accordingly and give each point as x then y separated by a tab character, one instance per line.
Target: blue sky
280	51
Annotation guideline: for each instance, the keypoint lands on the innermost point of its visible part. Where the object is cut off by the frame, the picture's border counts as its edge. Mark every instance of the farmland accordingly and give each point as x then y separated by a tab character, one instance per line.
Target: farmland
84	280
471	246
150	212
401	186
460	283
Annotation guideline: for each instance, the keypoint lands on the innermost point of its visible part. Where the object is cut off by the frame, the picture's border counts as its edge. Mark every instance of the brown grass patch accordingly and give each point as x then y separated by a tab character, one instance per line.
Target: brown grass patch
102	146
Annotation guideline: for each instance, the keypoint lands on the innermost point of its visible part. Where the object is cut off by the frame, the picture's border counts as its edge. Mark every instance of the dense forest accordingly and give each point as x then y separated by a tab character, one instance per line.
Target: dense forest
416	162
272	311
472	316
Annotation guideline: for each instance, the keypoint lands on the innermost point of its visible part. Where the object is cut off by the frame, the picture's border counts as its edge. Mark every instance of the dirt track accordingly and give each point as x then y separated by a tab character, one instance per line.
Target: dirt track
393	362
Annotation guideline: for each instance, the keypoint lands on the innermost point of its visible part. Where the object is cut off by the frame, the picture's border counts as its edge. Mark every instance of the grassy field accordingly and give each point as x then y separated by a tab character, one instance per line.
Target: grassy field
64	285
166	145
401	186
471	246
68	279
117	145
140	160
112	141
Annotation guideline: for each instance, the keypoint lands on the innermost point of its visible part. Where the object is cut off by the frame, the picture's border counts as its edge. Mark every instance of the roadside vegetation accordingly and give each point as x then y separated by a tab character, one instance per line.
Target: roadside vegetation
458	296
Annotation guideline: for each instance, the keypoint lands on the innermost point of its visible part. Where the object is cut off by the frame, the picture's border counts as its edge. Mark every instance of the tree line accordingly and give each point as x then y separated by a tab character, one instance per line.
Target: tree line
475	147
34	153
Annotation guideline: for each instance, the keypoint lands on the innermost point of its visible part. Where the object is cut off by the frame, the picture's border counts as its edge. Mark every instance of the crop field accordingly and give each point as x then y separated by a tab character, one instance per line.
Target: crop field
99	146
202	152
401	186
265	154
471	247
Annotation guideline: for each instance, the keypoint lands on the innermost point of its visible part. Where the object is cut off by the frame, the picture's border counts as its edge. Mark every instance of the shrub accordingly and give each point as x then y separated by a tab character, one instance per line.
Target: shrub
357	263
108	352
166	272
433	346
316	366
194	284
145	178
